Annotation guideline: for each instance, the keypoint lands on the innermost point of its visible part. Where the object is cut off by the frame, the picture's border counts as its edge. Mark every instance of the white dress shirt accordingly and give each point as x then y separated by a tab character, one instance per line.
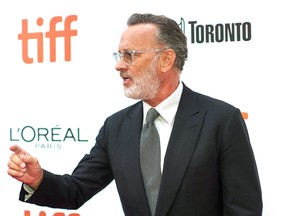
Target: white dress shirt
164	122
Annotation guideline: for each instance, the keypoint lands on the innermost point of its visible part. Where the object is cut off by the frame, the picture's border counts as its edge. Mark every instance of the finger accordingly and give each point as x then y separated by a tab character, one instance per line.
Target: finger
15	173
17	149
15	159
15	168
19	156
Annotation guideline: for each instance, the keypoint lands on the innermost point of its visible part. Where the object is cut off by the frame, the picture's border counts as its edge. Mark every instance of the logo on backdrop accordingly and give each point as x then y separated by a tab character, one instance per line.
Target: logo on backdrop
217	33
46	138
221	32
41	37
43	213
199	33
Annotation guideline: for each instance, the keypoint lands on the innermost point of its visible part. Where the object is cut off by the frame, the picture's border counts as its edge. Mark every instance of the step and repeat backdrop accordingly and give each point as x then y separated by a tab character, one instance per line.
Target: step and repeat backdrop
58	83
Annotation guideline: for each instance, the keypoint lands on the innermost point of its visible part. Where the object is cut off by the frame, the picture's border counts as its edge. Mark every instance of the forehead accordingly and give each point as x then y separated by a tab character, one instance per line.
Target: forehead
138	36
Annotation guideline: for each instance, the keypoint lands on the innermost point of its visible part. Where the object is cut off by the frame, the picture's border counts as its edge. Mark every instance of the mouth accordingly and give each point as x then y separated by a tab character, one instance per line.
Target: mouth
126	79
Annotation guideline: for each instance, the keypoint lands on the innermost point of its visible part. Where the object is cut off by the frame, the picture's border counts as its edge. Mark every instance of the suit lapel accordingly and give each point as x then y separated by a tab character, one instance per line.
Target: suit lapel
188	122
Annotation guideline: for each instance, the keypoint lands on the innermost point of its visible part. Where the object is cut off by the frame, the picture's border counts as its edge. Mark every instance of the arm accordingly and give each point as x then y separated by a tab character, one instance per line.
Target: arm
91	175
240	181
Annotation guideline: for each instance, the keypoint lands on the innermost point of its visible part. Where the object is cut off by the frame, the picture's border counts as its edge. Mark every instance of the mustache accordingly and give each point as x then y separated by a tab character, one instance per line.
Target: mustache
125	75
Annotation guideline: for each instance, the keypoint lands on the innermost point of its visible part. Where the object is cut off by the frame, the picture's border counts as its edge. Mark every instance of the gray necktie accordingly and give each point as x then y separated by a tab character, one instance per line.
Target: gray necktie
150	158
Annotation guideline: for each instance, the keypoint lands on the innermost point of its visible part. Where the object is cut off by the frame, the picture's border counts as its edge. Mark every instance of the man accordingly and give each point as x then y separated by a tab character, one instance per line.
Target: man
207	163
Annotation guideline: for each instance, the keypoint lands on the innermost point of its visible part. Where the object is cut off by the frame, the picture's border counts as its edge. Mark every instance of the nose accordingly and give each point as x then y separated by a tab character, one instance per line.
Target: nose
121	65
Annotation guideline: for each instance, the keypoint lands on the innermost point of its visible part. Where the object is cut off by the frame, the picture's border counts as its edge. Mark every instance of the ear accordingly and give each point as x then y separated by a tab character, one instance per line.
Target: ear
168	58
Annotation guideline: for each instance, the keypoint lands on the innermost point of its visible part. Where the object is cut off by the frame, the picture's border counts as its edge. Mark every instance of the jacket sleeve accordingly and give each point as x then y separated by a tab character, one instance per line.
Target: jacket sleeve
240	180
91	175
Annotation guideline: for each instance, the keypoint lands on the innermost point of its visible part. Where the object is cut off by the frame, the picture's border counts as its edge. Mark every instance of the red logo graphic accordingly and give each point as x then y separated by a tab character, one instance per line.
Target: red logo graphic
42	213
52	34
244	115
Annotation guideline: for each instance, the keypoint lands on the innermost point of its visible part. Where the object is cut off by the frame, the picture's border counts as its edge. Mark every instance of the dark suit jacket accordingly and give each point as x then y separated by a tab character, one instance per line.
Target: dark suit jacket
209	167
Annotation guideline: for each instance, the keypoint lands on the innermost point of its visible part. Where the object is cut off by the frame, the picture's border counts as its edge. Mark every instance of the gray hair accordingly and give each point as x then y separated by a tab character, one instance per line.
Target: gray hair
169	34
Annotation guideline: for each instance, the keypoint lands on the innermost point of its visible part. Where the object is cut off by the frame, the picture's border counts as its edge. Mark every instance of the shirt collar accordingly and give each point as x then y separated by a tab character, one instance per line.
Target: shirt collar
167	108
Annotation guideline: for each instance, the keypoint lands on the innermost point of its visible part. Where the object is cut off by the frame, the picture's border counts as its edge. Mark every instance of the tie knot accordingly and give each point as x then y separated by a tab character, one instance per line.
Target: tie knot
152	114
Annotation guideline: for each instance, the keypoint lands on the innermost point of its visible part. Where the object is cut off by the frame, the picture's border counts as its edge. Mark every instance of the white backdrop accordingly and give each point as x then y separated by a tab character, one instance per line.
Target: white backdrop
69	100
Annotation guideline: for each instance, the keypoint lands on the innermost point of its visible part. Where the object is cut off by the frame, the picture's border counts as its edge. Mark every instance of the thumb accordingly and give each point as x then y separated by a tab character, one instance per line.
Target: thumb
28	159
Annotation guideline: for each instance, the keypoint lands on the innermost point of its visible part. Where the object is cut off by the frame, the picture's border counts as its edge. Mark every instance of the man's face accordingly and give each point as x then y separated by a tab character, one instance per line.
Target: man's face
140	78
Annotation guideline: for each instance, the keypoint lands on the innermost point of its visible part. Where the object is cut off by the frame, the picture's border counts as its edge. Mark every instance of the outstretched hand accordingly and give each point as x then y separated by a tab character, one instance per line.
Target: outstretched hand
24	167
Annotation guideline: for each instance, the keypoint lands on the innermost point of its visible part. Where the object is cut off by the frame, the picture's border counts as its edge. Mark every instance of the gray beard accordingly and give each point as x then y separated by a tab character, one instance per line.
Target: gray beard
145	86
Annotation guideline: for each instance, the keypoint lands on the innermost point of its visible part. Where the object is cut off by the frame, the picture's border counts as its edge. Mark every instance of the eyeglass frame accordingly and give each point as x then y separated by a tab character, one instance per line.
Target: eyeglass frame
118	55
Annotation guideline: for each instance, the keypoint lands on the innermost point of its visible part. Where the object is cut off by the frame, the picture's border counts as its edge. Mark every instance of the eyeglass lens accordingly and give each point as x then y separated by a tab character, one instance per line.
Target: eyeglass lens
128	56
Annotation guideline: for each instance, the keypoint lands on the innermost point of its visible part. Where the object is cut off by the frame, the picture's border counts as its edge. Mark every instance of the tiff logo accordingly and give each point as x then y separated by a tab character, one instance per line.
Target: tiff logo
52	34
43	213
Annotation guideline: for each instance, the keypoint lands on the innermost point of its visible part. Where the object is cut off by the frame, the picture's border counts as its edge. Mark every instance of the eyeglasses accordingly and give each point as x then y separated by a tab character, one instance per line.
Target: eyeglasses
128	55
